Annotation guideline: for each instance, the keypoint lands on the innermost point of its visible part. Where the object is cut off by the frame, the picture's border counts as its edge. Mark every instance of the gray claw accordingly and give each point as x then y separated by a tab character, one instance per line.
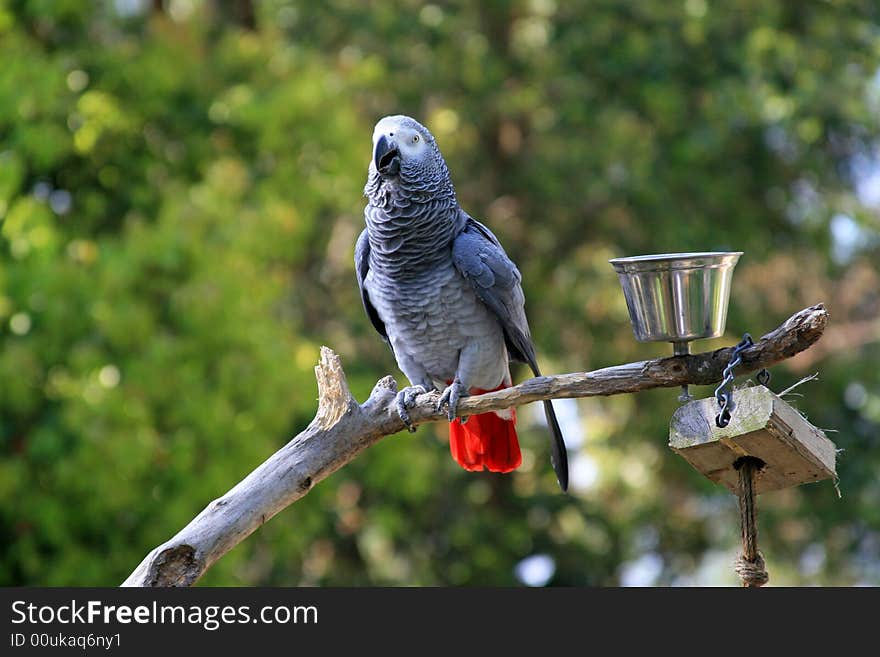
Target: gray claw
406	399
449	399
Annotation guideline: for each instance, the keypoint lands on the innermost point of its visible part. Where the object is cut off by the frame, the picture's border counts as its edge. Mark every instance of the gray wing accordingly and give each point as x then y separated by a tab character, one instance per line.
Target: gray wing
480	258
362	266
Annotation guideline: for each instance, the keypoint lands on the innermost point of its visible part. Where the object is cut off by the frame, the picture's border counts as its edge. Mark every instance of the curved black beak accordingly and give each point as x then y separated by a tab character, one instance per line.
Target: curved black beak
386	156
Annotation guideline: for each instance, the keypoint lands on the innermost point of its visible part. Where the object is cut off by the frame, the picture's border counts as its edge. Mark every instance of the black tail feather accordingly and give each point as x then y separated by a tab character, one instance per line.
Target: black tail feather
558	452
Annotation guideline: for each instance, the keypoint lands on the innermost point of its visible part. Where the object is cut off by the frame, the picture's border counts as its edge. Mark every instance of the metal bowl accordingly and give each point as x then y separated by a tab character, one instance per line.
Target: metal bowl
677	297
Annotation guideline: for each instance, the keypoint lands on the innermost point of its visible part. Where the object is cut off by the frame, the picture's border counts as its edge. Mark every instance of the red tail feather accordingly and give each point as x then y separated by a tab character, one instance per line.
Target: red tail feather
486	441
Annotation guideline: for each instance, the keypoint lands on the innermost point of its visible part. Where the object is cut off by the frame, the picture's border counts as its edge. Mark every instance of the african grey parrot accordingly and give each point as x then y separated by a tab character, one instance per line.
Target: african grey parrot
439	288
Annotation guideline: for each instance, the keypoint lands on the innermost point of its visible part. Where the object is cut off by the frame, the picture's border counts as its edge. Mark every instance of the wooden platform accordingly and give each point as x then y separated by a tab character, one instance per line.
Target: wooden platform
762	425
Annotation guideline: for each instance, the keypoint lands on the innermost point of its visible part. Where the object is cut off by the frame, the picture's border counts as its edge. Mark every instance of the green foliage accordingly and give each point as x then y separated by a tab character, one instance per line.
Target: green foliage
179	200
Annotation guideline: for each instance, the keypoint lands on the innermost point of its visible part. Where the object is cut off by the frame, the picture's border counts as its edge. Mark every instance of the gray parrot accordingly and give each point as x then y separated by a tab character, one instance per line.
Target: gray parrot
439	288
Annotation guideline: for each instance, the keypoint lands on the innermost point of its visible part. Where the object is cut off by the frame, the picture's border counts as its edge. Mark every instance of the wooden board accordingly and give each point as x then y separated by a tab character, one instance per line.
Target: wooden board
762	425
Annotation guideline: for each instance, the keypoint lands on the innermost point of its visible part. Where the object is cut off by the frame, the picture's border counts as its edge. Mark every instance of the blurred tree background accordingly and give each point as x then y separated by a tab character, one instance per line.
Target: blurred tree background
180	192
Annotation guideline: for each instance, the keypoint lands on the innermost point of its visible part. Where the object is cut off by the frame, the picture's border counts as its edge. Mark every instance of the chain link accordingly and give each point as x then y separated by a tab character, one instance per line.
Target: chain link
724	392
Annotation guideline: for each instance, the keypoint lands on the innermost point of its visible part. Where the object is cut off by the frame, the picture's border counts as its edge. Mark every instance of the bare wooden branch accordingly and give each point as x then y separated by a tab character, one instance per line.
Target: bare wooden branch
342	429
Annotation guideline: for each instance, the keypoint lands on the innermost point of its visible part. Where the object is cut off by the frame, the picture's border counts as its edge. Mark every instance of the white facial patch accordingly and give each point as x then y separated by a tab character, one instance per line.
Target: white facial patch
408	140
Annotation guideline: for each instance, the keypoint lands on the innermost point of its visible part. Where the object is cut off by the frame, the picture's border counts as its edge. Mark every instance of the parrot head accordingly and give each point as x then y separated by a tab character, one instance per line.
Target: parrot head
403	147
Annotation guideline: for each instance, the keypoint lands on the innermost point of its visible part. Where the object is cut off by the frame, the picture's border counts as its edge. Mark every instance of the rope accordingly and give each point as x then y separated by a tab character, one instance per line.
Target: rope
750	564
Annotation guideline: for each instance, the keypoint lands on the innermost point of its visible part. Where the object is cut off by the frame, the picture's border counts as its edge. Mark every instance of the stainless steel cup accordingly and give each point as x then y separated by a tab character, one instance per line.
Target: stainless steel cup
677	297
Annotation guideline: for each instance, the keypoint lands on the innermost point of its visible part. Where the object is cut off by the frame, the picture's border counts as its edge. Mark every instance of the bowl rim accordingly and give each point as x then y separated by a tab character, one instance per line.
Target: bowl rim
675	257
682	262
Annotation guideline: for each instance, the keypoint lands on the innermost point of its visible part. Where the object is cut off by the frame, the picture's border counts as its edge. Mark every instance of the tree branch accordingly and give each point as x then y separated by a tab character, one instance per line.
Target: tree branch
342	429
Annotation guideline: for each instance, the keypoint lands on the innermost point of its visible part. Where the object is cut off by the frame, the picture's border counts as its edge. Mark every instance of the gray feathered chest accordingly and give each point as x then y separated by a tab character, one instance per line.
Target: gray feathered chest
430	311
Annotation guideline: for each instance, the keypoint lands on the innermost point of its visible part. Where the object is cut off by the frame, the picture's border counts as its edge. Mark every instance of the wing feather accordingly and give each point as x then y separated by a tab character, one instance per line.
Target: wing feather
362	267
480	258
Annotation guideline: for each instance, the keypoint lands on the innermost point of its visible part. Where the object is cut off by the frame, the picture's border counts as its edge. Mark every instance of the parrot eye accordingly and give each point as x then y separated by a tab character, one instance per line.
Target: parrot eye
415	139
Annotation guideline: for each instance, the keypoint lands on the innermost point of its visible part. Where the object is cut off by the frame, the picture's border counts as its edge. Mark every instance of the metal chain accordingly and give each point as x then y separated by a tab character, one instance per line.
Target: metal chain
724	392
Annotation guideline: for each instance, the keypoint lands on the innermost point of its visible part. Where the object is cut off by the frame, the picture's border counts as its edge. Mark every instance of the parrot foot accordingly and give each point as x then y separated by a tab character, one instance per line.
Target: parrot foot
449	399
406	399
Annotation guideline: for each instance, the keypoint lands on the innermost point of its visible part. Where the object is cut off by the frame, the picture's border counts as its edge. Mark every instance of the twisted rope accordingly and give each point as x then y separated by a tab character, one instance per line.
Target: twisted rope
750	564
